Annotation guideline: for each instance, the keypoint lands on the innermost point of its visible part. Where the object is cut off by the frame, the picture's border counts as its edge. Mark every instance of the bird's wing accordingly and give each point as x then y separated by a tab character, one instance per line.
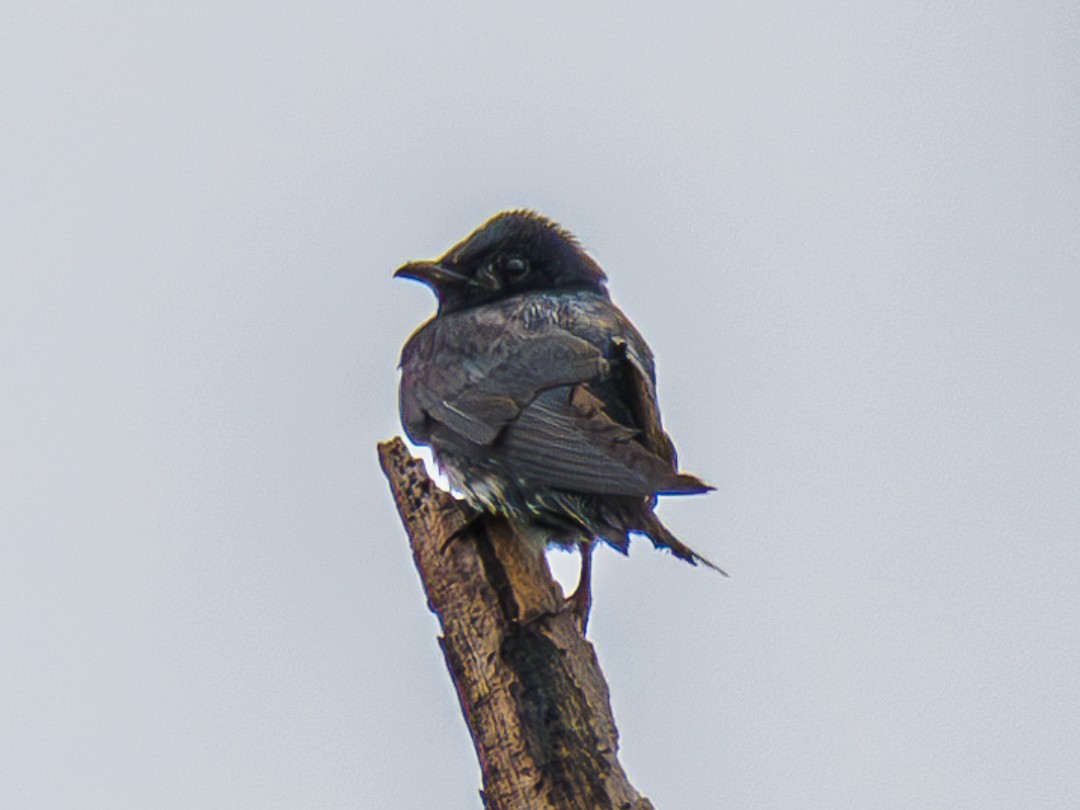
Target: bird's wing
566	440
637	388
483	404
539	411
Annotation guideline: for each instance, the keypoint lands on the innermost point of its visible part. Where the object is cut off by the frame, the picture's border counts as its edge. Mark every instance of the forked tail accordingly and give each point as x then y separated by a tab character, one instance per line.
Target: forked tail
662	538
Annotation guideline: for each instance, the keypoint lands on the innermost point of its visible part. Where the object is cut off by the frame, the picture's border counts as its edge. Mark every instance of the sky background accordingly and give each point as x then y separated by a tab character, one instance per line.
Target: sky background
851	234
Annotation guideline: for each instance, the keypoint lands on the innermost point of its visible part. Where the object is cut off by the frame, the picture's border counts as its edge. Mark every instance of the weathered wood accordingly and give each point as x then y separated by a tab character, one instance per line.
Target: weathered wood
530	687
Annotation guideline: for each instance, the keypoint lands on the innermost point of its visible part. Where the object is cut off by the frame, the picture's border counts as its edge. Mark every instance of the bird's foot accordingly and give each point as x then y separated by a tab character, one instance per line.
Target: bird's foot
579	604
580	601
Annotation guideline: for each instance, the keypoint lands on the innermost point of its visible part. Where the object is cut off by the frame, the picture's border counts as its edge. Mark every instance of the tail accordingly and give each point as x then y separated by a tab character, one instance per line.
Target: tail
662	538
684	484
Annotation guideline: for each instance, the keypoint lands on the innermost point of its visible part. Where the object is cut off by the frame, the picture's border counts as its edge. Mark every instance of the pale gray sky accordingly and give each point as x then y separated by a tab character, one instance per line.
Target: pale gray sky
852	236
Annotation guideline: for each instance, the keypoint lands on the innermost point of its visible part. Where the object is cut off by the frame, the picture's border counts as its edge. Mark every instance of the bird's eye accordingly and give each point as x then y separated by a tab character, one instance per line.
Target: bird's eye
516	267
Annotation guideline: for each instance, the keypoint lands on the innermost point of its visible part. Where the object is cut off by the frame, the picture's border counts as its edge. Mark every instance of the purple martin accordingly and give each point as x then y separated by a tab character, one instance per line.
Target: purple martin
537	395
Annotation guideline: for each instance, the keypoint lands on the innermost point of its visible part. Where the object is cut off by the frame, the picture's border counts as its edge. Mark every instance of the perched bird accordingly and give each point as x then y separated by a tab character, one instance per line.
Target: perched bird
537	395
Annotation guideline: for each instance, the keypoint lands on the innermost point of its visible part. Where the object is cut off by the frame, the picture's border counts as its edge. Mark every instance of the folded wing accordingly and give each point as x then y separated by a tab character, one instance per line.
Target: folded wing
564	439
539	413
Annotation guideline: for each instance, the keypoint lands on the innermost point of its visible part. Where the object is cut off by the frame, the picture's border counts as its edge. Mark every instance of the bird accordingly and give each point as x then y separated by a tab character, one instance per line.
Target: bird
537	395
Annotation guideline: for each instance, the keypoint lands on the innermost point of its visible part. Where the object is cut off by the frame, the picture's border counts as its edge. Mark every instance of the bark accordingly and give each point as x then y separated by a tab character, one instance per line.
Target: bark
529	684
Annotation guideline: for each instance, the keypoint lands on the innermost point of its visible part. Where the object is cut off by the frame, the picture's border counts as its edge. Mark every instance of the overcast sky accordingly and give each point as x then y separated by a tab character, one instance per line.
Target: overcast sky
851	234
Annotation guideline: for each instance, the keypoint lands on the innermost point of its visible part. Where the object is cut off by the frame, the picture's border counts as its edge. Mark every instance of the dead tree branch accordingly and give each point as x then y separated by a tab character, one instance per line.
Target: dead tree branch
529	683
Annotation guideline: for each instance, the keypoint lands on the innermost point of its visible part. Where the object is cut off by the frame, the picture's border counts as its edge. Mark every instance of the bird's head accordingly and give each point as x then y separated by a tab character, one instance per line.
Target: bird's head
511	253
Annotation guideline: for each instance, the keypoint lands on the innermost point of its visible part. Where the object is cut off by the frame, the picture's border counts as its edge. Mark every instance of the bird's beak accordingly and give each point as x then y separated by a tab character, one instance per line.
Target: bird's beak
431	273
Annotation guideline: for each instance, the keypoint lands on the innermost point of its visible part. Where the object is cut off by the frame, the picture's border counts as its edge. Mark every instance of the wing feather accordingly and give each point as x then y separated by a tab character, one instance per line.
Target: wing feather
551	409
491	401
565	440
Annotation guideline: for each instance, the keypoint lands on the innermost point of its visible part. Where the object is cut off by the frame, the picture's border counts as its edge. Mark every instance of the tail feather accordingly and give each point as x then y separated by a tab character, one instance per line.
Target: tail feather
662	538
685	484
